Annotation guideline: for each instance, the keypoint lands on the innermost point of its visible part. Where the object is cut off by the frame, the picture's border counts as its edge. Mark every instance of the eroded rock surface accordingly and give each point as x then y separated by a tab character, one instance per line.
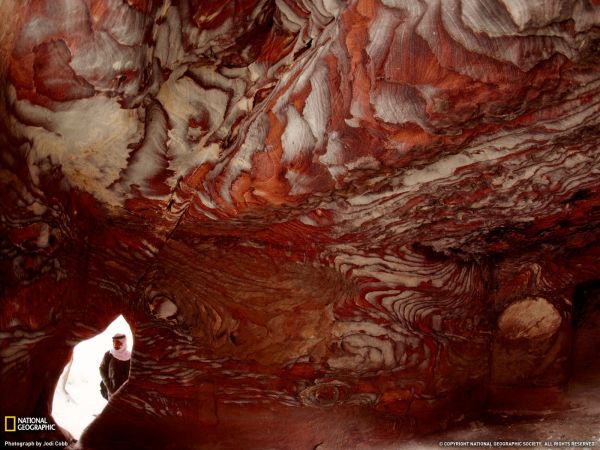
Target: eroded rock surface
331	224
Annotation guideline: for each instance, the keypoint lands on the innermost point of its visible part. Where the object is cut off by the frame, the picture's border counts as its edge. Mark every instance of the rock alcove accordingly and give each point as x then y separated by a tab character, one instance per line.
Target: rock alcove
331	224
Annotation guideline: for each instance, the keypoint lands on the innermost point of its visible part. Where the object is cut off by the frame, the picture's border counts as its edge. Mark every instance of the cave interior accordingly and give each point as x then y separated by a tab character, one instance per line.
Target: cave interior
330	224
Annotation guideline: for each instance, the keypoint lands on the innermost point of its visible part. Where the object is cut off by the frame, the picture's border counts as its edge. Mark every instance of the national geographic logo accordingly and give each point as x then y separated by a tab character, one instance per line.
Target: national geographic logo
14	423
10	423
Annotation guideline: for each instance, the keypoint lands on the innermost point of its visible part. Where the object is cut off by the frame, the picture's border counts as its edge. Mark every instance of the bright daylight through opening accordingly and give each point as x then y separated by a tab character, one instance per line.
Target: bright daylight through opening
77	399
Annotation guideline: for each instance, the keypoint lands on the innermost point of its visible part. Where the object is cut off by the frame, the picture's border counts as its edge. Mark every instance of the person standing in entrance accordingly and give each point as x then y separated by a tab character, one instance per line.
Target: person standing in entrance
114	368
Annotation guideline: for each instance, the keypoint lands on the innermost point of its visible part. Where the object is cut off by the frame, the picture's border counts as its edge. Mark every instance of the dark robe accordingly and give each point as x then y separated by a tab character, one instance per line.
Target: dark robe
114	372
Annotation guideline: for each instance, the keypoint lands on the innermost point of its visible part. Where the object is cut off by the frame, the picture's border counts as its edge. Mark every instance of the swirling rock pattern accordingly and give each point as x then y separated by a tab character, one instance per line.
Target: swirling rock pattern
314	213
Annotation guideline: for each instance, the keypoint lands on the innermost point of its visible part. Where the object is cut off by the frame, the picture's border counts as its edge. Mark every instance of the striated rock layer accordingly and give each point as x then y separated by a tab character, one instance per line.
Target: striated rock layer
331	224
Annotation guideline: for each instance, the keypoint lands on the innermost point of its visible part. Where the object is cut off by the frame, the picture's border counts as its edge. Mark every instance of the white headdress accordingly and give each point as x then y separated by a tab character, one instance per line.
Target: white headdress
122	354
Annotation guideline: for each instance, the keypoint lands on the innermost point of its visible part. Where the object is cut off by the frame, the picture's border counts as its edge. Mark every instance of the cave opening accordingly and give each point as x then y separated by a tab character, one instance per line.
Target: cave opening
77	399
585	356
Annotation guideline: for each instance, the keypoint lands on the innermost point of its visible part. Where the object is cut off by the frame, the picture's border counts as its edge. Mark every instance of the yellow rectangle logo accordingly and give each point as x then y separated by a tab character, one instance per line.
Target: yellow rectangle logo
7	421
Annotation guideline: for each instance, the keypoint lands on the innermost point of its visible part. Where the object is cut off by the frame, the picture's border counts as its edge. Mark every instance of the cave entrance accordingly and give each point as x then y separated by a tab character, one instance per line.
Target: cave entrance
77	399
585	361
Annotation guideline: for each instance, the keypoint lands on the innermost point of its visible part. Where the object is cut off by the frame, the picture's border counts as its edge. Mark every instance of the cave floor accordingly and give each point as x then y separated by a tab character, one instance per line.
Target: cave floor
581	422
